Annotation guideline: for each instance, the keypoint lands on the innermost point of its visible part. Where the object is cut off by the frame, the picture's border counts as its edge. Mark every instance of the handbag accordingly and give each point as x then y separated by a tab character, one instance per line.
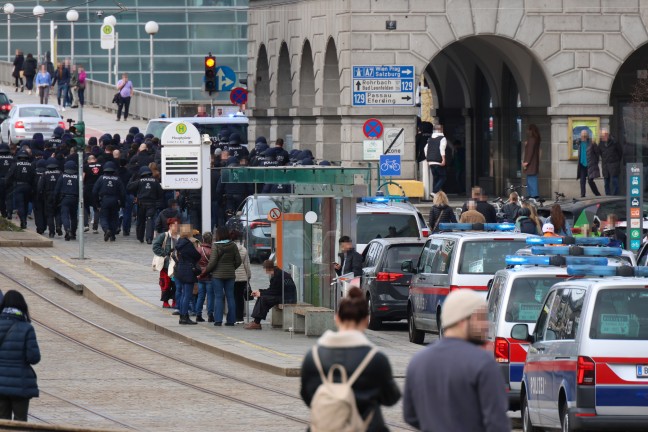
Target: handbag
117	99
173	260
158	261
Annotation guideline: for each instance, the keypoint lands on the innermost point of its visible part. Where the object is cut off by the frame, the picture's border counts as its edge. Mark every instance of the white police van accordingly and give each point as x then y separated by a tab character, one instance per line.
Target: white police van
209	125
587	364
515	296
465	258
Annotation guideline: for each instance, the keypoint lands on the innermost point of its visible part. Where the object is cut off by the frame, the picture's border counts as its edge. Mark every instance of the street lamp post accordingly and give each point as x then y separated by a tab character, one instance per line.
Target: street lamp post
38	12
151	28
72	16
8	9
111	20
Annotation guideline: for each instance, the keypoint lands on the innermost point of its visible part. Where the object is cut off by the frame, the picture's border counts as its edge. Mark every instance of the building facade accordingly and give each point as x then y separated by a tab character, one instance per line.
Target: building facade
493	66
189	30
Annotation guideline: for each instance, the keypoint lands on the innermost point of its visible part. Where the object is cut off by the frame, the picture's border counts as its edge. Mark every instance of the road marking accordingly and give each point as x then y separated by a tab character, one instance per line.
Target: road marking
120	288
62	261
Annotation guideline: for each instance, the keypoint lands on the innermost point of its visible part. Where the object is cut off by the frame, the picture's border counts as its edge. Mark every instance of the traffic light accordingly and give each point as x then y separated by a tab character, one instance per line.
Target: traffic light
210	73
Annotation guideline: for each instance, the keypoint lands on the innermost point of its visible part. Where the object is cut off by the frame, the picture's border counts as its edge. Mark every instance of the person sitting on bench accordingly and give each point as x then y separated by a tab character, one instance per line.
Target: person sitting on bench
280	281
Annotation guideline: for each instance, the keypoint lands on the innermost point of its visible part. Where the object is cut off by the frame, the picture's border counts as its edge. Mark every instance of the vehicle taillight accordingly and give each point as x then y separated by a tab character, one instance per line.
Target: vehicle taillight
586	374
425	232
6	107
501	350
62	124
19	125
259	224
388	277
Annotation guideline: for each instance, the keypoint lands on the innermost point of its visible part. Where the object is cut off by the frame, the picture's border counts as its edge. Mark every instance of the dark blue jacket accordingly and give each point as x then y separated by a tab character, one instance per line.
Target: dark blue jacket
187	256
18	351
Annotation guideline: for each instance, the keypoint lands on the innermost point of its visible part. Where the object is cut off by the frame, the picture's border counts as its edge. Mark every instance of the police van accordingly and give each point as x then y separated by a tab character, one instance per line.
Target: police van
515	296
208	125
587	362
467	257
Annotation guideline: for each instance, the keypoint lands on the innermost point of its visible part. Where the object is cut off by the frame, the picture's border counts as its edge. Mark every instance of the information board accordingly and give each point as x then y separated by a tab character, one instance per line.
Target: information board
383	85
634	205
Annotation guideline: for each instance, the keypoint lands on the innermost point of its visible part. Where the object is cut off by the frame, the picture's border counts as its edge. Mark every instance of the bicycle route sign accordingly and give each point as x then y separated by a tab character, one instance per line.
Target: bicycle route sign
390	165
383	85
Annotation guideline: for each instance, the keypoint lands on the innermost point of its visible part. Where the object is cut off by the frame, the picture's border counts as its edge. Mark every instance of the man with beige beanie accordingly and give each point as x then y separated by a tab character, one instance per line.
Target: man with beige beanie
454	384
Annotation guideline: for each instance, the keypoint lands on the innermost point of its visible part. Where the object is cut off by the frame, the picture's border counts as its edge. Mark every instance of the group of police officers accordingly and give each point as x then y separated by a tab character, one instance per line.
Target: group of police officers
120	176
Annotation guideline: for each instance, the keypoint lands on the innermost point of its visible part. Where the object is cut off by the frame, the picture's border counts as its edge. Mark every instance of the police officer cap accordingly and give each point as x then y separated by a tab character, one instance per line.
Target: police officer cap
109	167
4	149
235	138
224	134
42	163
325	163
52	163
269	152
261	139
58	132
70	165
22	155
143	171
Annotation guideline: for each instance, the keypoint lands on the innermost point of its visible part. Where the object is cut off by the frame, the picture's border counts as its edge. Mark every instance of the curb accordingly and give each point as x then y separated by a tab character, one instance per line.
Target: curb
24	239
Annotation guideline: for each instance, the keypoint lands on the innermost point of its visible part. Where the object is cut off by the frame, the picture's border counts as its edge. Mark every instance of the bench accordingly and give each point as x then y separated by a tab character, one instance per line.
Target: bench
282	315
313	321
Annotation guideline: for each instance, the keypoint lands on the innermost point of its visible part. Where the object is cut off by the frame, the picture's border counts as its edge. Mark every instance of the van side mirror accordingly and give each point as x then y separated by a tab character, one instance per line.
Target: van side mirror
521	332
408	267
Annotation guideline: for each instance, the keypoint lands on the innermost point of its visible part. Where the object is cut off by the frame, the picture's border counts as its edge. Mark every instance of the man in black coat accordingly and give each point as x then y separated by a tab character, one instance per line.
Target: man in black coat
611	157
351	260
282	289
483	206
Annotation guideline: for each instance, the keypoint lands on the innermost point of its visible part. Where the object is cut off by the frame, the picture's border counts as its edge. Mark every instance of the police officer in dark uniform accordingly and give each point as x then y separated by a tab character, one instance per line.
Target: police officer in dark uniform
6	160
110	194
192	200
67	193
91	173
235	148
148	191
281	155
21	177
46	188
55	141
38	200
233	193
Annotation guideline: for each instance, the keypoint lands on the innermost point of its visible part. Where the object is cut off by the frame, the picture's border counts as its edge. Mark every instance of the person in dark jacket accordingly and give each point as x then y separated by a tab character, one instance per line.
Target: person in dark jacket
163	246
172	211
187	259
351	261
348	347
205	285
440	212
483	206
18	72
148	191
524	223
109	193
454	384
30	67
282	289
46	187
67	195
223	262
611	157
588	160
511	208
18	352
531	161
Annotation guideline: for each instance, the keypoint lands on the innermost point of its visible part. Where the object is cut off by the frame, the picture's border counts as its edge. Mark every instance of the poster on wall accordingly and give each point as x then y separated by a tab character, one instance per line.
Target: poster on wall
575	127
317	243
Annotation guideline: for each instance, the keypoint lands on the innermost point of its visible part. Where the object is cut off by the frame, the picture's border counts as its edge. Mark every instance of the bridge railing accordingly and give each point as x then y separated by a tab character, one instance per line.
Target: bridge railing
100	95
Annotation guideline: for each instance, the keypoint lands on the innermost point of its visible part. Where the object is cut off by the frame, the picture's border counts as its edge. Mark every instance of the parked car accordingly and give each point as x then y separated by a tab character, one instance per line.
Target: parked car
254	225
25	120
383	282
5	106
587	211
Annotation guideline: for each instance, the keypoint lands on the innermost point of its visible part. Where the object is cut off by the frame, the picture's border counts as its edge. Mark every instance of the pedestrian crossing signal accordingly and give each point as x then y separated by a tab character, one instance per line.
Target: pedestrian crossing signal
210	73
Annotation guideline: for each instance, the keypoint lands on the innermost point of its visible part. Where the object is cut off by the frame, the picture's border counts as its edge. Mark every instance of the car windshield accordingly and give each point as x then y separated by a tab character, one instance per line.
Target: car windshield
487	256
4	100
264	205
620	314
385	225
38	112
525	300
157	127
399	253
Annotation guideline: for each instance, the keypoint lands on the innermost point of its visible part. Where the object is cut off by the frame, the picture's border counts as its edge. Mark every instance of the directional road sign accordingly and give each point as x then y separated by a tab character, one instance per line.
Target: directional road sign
225	78
373	128
239	96
390	165
383	85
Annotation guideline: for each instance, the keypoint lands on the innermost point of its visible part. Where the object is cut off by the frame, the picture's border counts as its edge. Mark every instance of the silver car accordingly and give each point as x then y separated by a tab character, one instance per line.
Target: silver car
26	120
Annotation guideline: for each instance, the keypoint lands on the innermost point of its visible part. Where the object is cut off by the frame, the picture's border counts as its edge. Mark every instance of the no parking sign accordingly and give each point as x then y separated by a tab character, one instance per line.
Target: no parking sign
373	128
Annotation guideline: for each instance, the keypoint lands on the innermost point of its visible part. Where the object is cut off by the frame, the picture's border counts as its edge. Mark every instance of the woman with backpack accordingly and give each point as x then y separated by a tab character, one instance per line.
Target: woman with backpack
367	369
524	223
440	212
186	271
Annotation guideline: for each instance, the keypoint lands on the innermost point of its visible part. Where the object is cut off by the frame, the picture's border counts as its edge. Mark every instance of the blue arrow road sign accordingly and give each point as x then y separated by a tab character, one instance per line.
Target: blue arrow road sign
390	165
383	85
225	78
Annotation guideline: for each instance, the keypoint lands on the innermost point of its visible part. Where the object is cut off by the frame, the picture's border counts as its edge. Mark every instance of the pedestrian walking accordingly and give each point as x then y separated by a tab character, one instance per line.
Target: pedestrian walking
282	289
62	80
163	245
223	262
125	89
471	215
18	352
30	67
43	83
440	212
531	162
81	86
17	71
205	283
454	385
74	86
6	160
588	160
243	276
21	178
186	271
109	193
46	187
368	370
67	193
92	170
148	192
435	152
611	157
38	198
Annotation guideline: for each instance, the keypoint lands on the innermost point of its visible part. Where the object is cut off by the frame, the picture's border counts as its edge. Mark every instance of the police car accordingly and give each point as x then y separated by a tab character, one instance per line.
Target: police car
454	260
587	365
387	216
515	296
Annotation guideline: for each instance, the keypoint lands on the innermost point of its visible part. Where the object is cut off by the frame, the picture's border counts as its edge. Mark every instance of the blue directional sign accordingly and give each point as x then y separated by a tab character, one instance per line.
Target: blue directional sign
383	85
225	78
390	165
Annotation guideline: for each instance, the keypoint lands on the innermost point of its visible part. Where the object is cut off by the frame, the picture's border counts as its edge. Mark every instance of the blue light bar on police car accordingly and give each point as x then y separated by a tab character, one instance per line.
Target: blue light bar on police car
476	227
593	270
576	250
583	241
555	260
384	199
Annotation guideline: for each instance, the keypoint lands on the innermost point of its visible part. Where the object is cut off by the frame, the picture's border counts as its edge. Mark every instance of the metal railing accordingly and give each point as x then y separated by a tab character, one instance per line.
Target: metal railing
100	95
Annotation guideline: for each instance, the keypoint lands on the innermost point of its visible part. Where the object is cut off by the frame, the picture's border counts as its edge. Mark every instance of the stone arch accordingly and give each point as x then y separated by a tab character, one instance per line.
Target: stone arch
262	80
331	84
306	78
284	78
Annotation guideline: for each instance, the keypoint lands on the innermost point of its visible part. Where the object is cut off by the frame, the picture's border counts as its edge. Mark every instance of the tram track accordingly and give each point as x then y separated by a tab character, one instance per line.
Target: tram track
190	364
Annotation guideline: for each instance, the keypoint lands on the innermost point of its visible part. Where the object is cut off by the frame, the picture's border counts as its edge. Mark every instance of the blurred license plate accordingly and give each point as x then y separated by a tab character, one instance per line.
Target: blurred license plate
642	371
